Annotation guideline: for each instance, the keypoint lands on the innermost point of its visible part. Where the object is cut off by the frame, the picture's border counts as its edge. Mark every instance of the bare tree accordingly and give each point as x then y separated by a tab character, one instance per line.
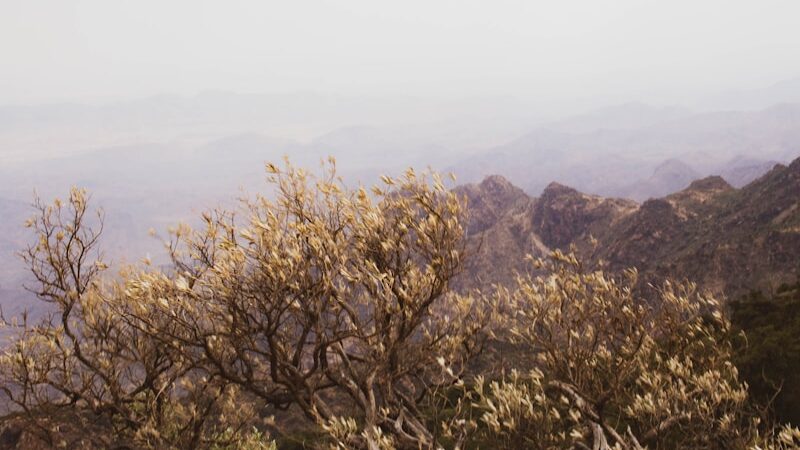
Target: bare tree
85	375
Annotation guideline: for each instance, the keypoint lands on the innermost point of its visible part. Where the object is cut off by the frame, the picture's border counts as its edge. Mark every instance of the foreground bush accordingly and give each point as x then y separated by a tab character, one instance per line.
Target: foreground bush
613	371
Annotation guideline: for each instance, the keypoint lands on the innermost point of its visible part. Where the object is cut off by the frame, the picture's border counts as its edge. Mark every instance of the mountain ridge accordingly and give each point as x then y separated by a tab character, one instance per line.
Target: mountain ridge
728	240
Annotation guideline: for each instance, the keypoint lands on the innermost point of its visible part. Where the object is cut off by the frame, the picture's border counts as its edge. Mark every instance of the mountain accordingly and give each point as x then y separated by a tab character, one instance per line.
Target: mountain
728	240
499	232
668	177
213	147
506	225
780	92
628	116
742	170
38	132
649	159
562	215
489	200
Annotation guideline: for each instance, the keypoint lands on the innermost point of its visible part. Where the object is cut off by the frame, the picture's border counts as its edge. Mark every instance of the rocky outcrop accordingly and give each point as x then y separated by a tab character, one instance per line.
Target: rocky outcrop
489	201
727	240
563	215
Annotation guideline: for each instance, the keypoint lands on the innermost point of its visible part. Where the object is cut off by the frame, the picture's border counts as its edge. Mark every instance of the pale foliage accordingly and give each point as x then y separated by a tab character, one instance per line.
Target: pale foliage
612	370
330	294
784	438
337	302
87	375
324	294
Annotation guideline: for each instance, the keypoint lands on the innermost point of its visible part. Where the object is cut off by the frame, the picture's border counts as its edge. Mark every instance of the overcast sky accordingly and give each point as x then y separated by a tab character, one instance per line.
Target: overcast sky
53	50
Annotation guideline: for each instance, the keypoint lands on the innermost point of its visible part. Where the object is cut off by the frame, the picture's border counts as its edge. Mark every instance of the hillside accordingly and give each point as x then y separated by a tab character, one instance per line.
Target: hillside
728	240
500	233
506	225
725	239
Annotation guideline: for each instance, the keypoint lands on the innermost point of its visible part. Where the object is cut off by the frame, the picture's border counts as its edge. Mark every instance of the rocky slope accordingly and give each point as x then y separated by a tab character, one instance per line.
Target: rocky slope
562	215
500	232
506	225
728	240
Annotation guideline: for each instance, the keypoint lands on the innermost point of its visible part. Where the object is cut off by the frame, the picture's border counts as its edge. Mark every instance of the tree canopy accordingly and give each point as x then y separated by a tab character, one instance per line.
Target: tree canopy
335	304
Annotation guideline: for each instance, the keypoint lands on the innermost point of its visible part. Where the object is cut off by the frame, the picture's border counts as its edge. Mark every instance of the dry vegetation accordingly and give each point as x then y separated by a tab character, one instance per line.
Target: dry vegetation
336	303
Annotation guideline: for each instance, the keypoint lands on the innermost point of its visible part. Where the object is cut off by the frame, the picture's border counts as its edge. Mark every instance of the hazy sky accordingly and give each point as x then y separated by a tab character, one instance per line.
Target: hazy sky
71	50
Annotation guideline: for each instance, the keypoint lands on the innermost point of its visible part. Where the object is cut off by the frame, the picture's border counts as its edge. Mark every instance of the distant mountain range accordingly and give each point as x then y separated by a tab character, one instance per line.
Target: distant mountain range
785	91
727	240
158	161
641	152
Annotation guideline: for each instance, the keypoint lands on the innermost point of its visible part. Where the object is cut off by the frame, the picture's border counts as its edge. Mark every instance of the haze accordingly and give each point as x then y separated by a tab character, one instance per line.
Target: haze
164	109
553	53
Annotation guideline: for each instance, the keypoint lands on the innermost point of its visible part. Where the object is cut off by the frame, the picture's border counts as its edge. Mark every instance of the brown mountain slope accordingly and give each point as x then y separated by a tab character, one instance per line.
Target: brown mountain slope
727	240
499	232
506	225
659	228
490	200
563	215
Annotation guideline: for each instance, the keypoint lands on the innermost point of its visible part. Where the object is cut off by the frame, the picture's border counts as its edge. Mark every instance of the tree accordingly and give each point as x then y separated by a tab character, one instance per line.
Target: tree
328	299
86	375
332	300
